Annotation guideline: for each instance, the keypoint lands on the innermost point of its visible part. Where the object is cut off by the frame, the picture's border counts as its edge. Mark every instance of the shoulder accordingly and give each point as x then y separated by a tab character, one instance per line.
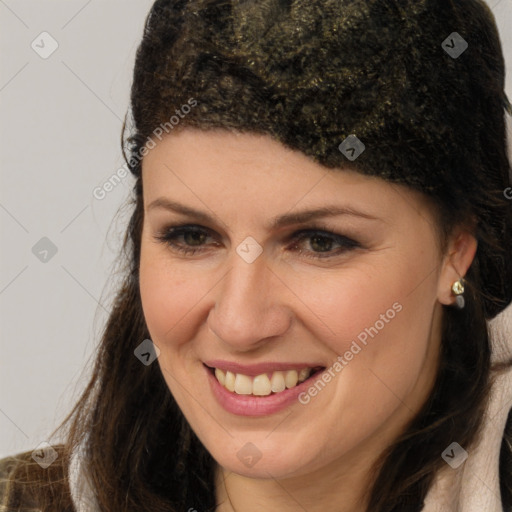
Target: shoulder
11	490
23	482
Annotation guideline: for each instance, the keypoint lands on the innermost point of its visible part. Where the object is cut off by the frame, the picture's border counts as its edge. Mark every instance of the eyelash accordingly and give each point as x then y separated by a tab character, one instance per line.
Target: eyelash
169	234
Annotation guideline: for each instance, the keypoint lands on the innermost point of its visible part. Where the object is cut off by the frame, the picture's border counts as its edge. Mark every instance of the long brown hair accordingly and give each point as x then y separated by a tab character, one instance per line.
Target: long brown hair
309	73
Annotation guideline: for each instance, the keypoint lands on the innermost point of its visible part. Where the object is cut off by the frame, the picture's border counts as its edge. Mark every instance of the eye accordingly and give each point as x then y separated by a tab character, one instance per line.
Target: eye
323	243
192	239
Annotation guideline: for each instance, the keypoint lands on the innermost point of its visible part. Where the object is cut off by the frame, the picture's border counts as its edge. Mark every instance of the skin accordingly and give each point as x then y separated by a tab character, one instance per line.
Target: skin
289	306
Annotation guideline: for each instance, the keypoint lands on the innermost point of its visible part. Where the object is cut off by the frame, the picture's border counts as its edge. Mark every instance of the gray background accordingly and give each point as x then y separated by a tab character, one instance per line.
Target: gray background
60	122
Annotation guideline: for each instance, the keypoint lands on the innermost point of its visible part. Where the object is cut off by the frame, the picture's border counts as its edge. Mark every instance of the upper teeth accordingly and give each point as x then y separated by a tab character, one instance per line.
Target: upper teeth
261	385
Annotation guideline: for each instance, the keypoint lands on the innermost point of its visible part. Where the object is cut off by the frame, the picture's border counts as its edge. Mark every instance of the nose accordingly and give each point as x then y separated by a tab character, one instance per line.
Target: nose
249	305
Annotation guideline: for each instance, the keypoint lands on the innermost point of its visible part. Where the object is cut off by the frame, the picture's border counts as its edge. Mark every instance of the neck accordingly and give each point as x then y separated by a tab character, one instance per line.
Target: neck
345	489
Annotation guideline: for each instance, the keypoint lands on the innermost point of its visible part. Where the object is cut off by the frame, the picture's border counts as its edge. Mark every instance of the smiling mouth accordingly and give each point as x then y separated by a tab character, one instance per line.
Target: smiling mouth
264	384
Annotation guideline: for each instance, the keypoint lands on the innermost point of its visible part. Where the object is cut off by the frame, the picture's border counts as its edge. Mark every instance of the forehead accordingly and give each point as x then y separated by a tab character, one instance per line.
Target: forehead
255	173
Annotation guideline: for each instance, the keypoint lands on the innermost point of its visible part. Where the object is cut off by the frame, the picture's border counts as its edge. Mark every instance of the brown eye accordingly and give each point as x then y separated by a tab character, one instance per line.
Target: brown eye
322	244
185	239
194	237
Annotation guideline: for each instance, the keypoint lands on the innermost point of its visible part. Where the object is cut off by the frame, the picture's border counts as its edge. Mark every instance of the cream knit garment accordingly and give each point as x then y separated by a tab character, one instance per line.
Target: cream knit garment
472	487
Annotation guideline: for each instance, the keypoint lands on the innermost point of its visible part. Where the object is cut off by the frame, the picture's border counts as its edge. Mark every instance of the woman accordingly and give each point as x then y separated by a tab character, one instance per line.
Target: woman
319	236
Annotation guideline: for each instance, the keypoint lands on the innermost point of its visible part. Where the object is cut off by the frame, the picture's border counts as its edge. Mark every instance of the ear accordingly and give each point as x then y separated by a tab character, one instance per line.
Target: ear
456	261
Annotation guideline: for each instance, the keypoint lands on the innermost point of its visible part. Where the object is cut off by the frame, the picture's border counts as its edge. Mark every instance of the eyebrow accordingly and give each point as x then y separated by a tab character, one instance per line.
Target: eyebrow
276	222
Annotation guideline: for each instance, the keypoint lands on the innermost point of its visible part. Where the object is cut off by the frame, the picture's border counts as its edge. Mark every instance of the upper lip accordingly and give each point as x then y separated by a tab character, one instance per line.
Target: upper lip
251	370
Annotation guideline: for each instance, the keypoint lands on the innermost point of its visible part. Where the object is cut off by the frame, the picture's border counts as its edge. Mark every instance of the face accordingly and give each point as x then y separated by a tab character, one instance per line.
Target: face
235	274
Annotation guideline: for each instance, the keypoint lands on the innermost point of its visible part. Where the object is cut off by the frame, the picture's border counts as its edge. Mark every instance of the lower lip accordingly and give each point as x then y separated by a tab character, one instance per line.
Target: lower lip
250	405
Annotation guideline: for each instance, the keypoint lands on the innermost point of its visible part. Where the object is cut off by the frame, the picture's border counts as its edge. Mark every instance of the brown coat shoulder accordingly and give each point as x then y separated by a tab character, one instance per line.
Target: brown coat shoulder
25	486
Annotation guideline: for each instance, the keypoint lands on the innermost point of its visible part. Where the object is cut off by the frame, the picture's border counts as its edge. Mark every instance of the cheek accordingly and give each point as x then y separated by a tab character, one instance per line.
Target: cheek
340	304
375	315
167	296
377	329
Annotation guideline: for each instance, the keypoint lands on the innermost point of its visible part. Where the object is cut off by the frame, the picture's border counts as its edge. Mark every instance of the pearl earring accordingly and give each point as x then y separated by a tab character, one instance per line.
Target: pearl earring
458	291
